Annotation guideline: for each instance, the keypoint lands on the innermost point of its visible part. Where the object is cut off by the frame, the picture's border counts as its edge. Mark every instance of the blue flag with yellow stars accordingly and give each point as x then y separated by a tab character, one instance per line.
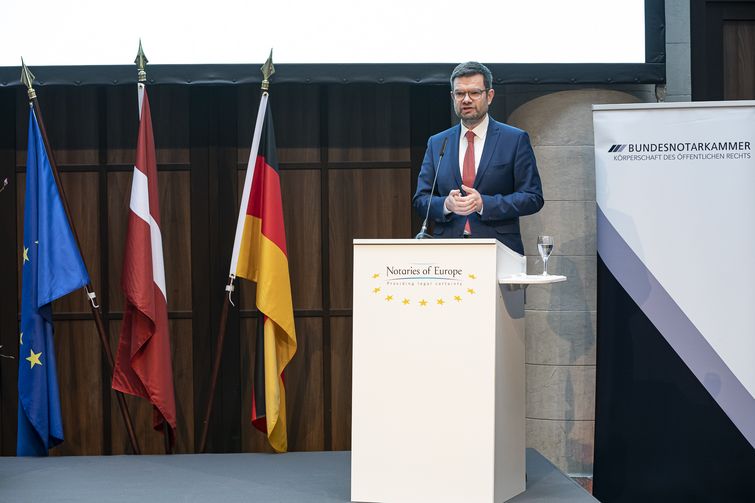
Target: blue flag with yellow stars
52	267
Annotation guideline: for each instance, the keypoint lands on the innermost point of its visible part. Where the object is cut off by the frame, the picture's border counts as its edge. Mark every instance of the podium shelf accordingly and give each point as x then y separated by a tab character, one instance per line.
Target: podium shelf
531	279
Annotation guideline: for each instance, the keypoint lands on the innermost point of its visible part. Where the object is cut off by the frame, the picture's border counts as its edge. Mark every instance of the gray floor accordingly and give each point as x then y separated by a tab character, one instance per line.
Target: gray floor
311	477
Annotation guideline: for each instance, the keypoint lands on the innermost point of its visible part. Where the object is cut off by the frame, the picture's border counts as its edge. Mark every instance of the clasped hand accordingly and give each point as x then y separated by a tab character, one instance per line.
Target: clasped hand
464	204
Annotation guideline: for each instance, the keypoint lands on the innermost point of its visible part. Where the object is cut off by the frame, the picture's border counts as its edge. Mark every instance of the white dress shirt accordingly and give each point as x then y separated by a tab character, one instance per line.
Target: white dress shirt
479	143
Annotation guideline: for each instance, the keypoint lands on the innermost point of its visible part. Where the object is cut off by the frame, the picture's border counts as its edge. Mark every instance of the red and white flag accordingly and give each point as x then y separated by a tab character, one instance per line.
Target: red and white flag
143	365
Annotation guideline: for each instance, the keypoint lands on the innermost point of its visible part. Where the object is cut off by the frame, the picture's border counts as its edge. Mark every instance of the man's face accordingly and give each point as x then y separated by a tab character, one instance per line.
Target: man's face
471	107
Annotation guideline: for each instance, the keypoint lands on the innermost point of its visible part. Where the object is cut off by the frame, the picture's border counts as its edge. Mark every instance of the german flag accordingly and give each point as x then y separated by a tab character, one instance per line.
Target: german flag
259	255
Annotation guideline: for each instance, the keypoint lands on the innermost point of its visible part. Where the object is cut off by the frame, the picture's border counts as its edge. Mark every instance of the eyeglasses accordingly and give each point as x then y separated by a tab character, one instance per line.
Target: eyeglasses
474	94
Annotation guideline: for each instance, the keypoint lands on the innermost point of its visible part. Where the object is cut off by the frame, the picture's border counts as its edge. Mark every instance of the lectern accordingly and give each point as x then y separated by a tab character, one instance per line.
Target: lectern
438	372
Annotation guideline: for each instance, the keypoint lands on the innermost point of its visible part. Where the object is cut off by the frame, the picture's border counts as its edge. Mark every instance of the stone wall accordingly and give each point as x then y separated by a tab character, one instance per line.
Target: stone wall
561	318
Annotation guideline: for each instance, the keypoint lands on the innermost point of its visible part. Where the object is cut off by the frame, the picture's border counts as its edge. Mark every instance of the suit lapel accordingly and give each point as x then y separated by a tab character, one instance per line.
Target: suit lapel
452	151
491	139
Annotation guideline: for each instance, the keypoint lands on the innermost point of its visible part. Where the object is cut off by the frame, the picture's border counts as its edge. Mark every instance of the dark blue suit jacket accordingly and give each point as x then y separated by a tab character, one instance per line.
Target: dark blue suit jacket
507	179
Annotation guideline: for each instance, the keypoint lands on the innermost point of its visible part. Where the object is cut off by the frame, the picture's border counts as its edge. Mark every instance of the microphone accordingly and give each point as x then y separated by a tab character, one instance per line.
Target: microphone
422	234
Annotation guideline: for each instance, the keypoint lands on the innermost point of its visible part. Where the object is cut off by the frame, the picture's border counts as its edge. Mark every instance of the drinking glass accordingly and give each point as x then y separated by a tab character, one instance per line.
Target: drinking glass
545	247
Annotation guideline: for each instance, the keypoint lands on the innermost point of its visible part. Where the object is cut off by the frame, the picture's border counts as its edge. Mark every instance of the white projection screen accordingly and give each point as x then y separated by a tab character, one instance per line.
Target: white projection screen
85	32
555	34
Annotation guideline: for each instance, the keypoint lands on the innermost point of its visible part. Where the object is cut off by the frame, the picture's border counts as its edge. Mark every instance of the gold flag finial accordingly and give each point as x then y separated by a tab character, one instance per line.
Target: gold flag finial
141	63
267	70
27	79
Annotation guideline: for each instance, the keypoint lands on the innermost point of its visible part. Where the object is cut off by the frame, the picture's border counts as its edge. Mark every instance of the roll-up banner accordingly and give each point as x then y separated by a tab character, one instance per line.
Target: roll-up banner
675	391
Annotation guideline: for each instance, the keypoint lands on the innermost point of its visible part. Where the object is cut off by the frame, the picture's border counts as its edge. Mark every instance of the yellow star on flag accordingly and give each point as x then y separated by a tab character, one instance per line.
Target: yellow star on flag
26	255
457	298
376	275
389	298
33	358
423	302
376	289
470	290
472	276
405	301
441	302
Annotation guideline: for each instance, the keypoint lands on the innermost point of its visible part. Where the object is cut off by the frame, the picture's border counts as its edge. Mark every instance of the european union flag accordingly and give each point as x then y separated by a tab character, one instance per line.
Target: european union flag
52	267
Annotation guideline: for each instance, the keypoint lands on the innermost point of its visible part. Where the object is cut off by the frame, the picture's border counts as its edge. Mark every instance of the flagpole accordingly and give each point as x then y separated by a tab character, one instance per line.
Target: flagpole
27	78
267	70
216	365
141	67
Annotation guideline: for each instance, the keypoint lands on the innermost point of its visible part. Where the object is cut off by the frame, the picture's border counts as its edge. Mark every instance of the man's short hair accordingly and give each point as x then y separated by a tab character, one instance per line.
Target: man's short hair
473	68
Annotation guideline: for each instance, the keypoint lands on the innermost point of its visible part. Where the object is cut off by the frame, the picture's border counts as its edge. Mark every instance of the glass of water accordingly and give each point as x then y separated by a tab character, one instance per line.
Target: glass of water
545	247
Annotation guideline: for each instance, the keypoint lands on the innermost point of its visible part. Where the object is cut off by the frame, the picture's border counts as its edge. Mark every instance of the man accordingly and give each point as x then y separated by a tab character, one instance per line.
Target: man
488	176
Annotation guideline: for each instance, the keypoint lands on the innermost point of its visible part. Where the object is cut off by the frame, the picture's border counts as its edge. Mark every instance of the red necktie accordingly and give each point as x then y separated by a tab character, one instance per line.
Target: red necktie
468	171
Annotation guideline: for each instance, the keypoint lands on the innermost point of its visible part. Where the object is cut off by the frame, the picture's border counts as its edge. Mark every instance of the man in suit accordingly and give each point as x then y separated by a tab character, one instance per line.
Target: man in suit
488	176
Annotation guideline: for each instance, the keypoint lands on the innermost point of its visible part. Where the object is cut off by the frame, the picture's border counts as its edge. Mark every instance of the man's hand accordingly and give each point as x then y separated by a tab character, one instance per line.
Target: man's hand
464	205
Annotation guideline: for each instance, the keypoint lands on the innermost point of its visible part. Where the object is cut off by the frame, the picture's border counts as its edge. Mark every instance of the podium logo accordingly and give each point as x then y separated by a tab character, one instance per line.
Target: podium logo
616	148
431	272
423	285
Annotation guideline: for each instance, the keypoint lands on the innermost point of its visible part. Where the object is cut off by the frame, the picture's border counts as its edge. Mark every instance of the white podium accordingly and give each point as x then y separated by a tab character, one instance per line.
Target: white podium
438	372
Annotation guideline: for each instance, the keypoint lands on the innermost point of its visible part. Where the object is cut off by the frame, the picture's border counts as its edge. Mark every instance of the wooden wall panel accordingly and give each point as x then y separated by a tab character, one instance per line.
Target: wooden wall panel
721	45
368	123
9	256
121	110
81	190
340	381
214	186
170	122
80	379
346	159
364	203
302	215
739	60
175	214
182	347
71	117
20	198
119	194
296	115
304	389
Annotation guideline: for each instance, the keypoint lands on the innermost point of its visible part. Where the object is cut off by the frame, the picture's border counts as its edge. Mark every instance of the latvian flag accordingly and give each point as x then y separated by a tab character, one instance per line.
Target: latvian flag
259	255
143	364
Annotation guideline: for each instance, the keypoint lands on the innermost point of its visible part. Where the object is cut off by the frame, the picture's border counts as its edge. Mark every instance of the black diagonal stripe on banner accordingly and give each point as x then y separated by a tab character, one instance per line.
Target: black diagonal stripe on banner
659	435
